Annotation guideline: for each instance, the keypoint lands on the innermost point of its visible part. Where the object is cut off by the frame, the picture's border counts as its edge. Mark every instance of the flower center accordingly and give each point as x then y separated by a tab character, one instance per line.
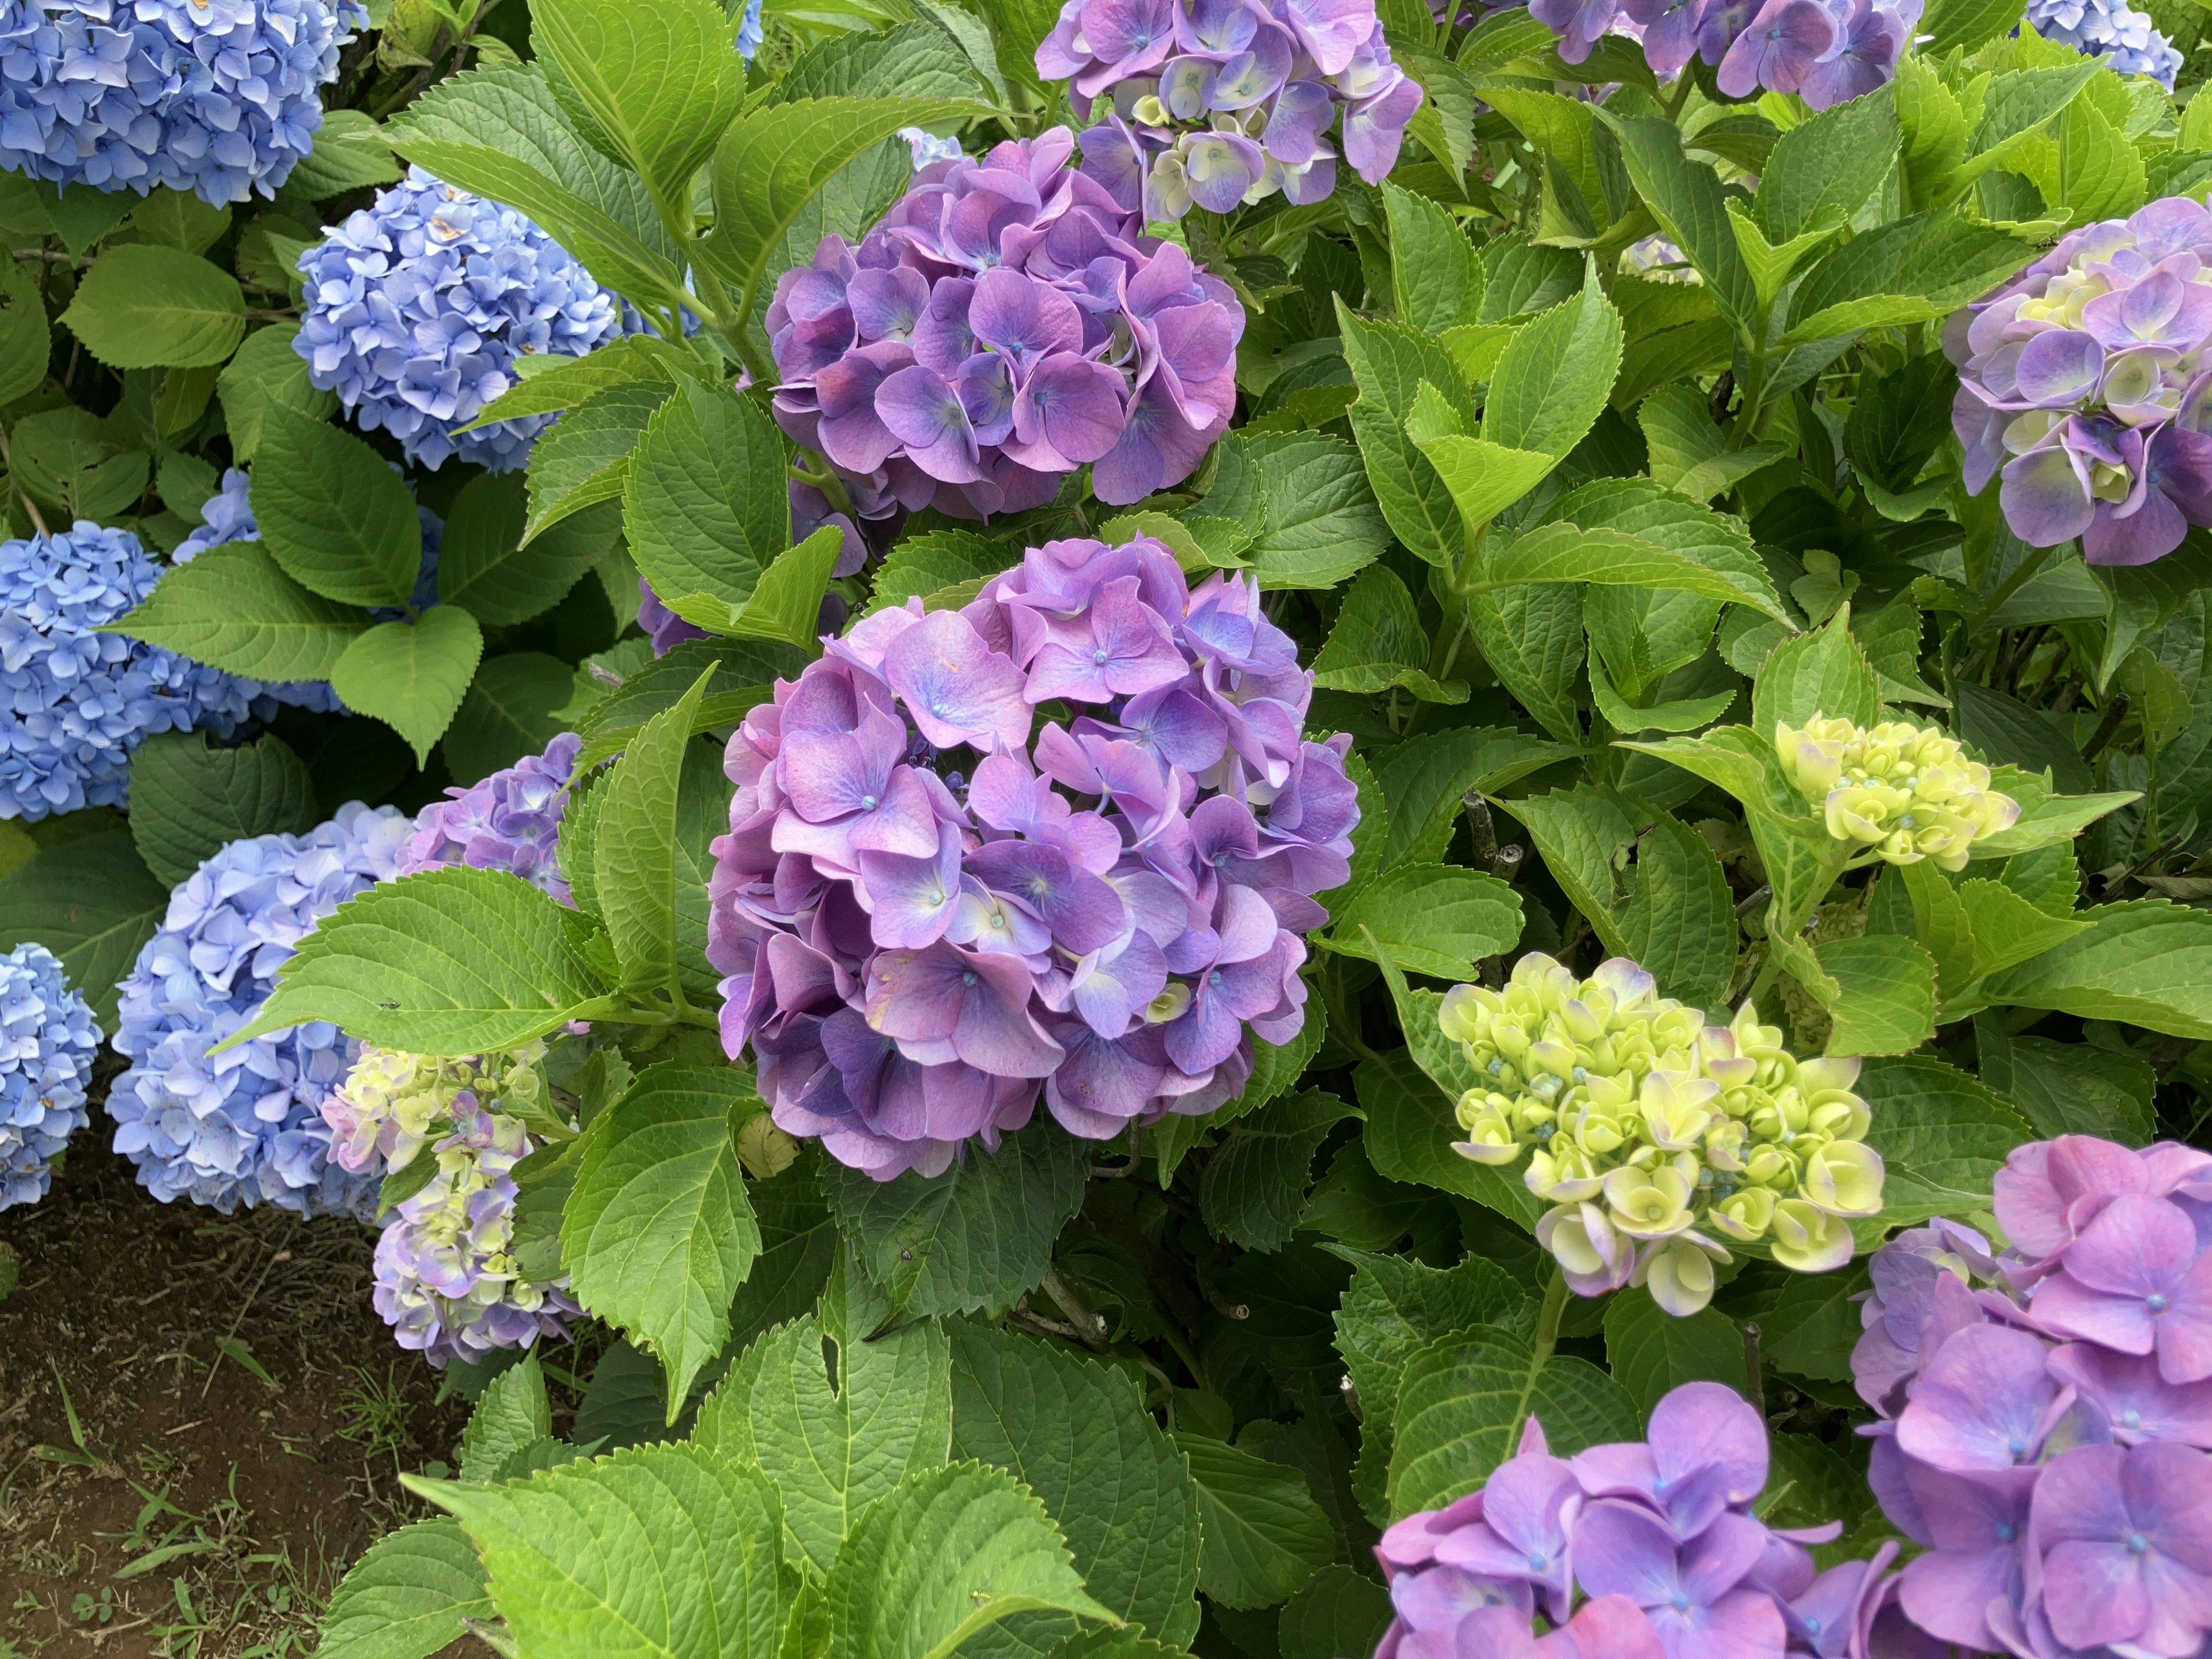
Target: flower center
1098	657
1681	1602
2017	1444
2137	1543
1214	978
968	975
2007	1532
2131	1418
1812	1627
868	803
2155	1302
1538	1561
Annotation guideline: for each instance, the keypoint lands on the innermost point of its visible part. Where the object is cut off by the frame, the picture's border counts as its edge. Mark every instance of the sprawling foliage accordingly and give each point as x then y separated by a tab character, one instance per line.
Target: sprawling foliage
1167	826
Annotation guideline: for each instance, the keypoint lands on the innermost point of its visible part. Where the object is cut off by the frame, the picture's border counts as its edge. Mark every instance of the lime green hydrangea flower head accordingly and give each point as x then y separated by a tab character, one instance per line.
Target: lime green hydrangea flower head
392	1103
1654	1135
1906	791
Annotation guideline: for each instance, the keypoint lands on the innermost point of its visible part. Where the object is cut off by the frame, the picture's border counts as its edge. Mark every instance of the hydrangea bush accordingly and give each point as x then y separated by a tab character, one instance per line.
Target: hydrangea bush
1309	775
48	1040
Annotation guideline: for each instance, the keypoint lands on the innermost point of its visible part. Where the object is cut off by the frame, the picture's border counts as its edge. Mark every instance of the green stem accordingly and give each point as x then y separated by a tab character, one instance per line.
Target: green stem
1549	1317
1682	91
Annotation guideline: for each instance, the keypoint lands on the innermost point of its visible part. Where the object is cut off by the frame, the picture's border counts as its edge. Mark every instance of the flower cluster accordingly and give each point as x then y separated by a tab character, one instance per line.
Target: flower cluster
418	307
244	1127
1661	1537
79	703
509	821
2080	383
218	97
1004	324
1652	1130
2043	1432
919	928
1219	102
447	1279
48	1040
1658	260
2111	29
1906	791
1828	51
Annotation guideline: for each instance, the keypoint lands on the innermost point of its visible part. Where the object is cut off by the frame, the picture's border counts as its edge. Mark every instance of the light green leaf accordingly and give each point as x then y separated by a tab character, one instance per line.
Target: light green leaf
452	962
657	1234
653	1552
188	799
1826	167
408	1595
2146	962
1314	518
1649	1351
93	902
567	382
1553	379
1378	642
349	153
1688	452
1435	919
660	82
1483	478
337	520
585	456
1941	1135
1435	273
1687	200
634	854
1823	672
1639	506
1264	1536
1771	266
1388	364
511	1413
267	373
2008	929
143	306
704	504
1880	990
1682	715
787	606
1909	270
922	565
1531	635
412	675
948	1554
1941	921
1568	553
233	609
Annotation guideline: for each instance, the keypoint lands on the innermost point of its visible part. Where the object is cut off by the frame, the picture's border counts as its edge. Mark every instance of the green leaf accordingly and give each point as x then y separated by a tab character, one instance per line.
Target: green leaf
1275	1069
798	1246
188	799
1435	273
1340	1613
1388	364
1649	1351
1531	638
1425	780
834	1441
337	520
412	675
2146	962
1484	478
1316	518
922	565
787	606
1687	200
1823	169
143	306
704	506
568	382
70	458
511	1413
1553	381
1433	919
1688	452
1821	673
1077	1434
2069	1088
1568	553
913	60
1941	1136
508	713
349	153
1880	990
267	373
1680	918
1639	507
671	1550
1378	642
1461	1402
634	852
1813	1324
770	165
1968	23
1264	1536
1934	915
482	564
1410	1125
2008	929
233	609
408	1595
1908	270
26	342
93	902
1897	422
452	962
976	1237
585	456
947	1554
1254	1185
661	83
657	1234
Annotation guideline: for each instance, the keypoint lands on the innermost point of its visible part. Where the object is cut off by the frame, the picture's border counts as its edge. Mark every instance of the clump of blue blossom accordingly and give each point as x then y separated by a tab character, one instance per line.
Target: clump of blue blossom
47	1040
78	702
218	97
751	32
2110	29
418	307
927	147
245	1126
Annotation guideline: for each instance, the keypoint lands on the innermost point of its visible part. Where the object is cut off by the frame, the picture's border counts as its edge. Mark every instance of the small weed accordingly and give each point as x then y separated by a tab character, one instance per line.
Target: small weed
373	1415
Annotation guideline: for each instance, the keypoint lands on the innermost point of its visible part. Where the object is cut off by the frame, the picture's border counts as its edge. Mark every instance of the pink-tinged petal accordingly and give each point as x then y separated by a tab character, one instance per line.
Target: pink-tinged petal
1071	405
2151	532
1948	1592
2059	366
958	689
1980	1403
911	899
1703	1424
2046	497
976	1005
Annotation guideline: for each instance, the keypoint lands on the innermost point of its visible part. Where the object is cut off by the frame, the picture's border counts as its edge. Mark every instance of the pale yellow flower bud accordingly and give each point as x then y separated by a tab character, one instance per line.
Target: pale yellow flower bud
1745	1214
1807	1239
1680	1273
1652	1204
1844	1178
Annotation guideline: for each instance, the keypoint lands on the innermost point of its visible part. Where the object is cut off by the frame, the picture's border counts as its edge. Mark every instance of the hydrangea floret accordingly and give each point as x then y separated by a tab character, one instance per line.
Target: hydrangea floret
1894	792
508	821
446	1280
1663	1538
47	1040
1004	324
2080	388
929	909
245	1126
79	703
1654	1135
1827	52
2111	29
2045	1410
418	307
218	97
1215	103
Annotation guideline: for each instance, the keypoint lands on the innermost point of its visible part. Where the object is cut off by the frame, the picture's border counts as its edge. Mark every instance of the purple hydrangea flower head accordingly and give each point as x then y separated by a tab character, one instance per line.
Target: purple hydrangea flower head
78	702
1659	1535
47	1040
419	306
1216	103
1004	324
1827	52
2125	1537
931	910
221	99
244	1127
2111	29
509	821
2078	387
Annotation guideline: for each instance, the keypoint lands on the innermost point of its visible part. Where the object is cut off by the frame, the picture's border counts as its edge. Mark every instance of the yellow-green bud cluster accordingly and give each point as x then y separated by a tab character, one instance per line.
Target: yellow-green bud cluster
392	1103
1650	1131
1908	791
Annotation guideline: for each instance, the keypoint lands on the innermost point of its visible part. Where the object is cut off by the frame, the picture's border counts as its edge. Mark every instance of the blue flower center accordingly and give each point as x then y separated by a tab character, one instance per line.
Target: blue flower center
1214	978
1681	1602
2137	1543
2131	1418
2155	1302
968	975
1538	1561
868	803
2007	1532
1098	657
2017	1444
1812	1627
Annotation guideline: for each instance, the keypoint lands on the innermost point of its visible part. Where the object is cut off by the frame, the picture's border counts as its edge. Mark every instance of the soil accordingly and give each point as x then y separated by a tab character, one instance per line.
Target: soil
240	1416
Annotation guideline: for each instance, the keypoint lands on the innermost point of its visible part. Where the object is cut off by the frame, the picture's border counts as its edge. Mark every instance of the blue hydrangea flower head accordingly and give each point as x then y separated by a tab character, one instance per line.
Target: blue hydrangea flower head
77	702
417	309
2111	29
218	97
245	1126
750	31
47	1040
